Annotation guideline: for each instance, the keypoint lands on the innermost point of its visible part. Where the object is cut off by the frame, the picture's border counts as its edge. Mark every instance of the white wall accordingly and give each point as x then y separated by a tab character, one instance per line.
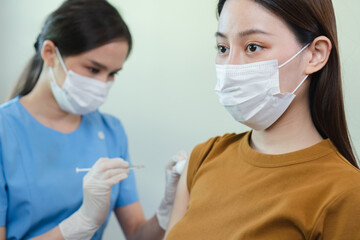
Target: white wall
164	96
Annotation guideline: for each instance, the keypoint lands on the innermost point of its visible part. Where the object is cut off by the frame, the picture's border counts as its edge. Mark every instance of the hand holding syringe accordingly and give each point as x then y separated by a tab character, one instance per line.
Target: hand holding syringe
97	186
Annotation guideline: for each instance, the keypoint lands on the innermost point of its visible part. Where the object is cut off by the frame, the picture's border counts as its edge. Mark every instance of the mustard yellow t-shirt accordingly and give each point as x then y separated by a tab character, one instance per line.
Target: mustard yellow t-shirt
238	193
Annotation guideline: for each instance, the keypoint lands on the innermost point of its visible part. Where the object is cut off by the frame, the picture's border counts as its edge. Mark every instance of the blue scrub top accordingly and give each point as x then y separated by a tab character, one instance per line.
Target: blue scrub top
38	184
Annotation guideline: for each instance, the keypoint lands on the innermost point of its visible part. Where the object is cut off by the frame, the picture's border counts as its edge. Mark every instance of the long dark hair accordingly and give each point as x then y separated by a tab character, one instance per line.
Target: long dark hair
75	27
309	19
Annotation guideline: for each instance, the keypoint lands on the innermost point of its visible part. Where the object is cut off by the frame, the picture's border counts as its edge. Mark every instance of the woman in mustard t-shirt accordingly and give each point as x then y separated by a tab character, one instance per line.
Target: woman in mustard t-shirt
294	175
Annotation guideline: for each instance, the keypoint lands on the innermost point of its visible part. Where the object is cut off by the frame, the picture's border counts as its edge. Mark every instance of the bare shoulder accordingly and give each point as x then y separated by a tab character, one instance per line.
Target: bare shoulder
181	200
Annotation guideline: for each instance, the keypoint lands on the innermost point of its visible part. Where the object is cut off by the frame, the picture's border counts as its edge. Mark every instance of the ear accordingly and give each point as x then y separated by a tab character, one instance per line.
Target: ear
320	51
48	53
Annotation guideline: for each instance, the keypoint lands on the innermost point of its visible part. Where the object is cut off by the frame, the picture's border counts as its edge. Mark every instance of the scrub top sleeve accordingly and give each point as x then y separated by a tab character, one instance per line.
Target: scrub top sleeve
3	192
127	188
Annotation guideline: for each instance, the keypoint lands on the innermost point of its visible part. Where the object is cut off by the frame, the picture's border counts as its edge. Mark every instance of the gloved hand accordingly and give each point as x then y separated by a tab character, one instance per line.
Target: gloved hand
94	210
173	171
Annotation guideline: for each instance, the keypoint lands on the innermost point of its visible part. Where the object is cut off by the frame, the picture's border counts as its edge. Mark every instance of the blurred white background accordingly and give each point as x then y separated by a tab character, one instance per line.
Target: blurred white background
164	96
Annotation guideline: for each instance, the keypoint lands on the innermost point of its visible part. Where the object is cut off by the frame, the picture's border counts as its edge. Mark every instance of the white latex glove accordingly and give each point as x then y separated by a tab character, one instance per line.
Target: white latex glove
173	170
94	210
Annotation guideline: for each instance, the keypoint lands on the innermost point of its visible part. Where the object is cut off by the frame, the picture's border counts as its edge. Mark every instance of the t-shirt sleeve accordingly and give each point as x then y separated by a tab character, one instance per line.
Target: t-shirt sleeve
198	155
127	188
3	192
341	219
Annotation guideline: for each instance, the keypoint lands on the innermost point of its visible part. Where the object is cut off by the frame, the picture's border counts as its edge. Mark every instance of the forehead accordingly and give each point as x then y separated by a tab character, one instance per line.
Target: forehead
112	54
112	49
242	15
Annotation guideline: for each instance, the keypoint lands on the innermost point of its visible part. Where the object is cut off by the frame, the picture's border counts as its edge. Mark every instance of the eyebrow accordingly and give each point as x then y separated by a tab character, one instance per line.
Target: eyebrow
244	33
99	65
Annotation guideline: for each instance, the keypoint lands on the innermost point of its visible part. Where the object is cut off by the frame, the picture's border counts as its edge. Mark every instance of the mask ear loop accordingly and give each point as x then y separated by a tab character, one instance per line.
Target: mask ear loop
61	59
62	65
294	56
300	84
297	54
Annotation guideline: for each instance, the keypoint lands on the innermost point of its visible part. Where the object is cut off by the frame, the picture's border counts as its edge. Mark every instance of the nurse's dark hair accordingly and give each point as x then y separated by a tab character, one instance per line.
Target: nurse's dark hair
309	19
75	27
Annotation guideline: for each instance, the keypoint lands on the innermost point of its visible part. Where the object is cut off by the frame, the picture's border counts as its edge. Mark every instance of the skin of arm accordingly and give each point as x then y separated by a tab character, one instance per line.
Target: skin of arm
181	200
53	234
2	233
132	221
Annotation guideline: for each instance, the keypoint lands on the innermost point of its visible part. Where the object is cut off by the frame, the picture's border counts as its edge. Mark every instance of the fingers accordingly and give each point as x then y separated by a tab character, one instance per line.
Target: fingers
117	178
104	175
105	179
179	167
179	157
106	169
114	172
104	164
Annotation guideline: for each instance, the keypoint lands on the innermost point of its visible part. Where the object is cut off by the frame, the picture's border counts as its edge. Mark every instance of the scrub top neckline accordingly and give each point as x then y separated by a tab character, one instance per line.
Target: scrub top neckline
22	107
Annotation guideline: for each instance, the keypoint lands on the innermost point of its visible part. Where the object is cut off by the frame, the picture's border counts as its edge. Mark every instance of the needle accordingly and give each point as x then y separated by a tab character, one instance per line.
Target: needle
88	169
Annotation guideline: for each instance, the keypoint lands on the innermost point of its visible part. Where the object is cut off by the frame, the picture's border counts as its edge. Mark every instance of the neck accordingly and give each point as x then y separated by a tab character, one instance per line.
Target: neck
293	131
42	105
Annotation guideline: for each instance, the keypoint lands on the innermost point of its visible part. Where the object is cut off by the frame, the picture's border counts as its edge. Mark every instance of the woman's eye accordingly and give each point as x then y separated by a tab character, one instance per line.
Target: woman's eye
113	74
94	70
253	48
222	49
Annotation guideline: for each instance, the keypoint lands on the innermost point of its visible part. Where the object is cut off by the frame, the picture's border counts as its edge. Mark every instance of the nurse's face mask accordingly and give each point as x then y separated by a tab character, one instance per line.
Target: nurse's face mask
251	92
78	94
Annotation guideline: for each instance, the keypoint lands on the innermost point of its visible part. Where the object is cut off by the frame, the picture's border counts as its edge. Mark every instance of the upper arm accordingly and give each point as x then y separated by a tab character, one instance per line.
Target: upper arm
182	197
2	233
130	218
181	200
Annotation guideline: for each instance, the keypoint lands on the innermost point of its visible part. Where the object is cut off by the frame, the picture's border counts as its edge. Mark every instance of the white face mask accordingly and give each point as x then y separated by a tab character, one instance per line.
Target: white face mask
78	94
251	92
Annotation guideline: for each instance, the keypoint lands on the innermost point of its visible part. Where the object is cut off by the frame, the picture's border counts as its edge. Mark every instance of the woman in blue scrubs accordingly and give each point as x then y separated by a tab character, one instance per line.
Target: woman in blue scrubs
52	126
